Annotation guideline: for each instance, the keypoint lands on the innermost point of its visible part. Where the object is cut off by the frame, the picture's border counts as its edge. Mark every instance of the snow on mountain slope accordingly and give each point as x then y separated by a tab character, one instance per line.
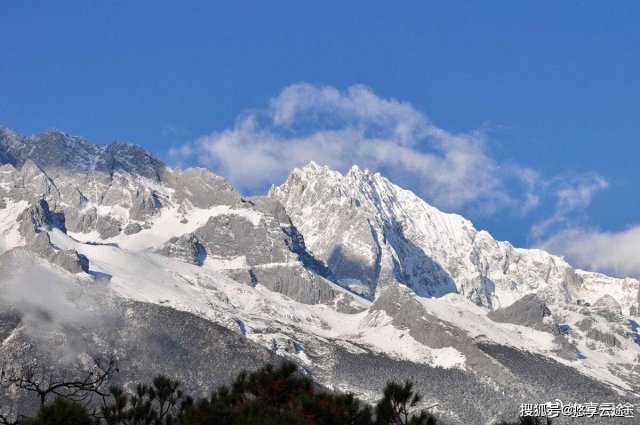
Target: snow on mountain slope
9	233
149	277
372	232
169	222
339	273
209	293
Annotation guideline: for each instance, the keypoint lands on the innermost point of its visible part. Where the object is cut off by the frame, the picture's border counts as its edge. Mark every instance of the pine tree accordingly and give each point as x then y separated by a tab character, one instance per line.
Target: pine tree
397	404
61	412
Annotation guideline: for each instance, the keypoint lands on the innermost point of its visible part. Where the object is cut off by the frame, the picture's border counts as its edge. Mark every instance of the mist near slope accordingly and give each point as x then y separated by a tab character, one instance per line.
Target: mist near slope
49	301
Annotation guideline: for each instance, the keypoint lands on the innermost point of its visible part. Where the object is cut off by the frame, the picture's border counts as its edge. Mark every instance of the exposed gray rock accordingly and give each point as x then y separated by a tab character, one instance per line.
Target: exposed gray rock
295	282
144	205
75	177
585	324
270	206
566	350
79	179
274	251
372	233
399	303
361	232
344	303
201	188
55	151
231	235
291	280
76	198
108	227
608	308
529	311
35	183
71	261
41	245
68	259
186	248
37	218
82	222
604	337
246	276
132	228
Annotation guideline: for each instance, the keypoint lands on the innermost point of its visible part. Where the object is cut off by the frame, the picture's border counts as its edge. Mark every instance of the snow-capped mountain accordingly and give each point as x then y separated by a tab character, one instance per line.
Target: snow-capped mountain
105	249
372	233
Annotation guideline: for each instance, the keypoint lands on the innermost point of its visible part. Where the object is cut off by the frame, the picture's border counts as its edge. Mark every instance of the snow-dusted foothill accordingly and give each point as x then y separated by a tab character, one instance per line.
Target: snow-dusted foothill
352	277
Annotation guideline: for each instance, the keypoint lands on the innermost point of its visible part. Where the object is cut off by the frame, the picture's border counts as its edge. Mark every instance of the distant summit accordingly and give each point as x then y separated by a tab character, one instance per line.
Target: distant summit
355	279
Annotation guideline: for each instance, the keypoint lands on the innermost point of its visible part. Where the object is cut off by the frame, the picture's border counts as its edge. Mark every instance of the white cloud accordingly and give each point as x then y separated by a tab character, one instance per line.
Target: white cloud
581	194
611	253
452	171
573	195
342	128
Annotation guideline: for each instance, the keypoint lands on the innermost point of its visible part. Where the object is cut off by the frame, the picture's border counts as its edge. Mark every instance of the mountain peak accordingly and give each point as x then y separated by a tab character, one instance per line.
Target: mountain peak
314	171
5	131
356	171
365	265
53	132
312	166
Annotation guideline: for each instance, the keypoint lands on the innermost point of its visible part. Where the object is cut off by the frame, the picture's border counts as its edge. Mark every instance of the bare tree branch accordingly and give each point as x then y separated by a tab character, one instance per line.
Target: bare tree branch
44	382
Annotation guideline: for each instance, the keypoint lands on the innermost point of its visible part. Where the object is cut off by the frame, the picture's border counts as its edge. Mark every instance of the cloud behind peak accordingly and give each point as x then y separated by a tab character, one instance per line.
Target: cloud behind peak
337	128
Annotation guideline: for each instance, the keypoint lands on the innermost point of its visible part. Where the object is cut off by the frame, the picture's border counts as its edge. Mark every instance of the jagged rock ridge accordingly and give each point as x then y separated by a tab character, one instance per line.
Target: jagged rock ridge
345	274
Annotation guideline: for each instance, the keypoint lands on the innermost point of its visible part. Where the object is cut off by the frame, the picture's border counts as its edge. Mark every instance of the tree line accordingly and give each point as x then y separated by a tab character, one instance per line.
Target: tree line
271	395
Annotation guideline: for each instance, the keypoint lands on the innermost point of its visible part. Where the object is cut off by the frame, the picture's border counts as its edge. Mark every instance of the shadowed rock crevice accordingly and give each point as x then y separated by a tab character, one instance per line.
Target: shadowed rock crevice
310	262
413	268
38	218
261	235
410	267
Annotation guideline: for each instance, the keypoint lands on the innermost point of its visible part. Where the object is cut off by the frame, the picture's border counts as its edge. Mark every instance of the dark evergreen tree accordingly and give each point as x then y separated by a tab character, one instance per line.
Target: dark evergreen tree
397	404
61	412
158	404
276	396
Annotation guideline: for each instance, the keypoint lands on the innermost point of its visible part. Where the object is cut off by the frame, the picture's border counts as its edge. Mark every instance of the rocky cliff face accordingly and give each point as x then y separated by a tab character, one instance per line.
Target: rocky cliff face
108	192
348	275
101	188
372	234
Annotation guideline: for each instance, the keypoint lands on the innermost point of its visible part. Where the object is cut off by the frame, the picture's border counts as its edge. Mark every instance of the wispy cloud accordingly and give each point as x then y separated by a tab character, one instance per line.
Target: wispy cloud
573	194
342	128
50	302
453	171
566	232
581	194
613	253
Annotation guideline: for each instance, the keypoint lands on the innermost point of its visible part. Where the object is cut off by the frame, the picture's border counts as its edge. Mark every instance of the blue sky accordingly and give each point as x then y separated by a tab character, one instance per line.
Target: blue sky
533	105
